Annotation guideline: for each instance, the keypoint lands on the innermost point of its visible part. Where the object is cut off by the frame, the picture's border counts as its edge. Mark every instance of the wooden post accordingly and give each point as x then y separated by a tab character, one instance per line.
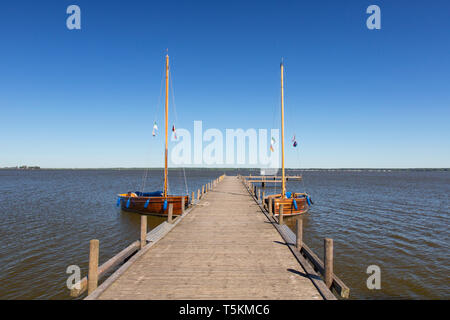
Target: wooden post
198	195
280	215
328	261
183	199
170	213
93	265
143	230
270	206
203	190
192	198
259	194
263	195
299	229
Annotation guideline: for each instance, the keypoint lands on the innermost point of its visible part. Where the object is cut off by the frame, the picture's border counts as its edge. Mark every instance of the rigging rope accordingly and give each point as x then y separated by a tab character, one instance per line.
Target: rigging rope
145	175
176	122
292	116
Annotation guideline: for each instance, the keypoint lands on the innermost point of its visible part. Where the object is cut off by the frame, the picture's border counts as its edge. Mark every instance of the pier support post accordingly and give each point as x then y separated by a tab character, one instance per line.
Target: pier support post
143	231
198	195
170	214
259	195
93	265
299	231
280	215
270	206
182	204
203	190
328	261
192	199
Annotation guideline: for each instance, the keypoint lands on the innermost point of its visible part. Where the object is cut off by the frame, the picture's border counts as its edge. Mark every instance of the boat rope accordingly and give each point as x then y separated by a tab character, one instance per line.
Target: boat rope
176	122
291	115
145	174
276	119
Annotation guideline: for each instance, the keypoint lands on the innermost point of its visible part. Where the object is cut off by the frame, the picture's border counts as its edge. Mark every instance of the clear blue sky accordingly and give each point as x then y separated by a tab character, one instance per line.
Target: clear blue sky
354	97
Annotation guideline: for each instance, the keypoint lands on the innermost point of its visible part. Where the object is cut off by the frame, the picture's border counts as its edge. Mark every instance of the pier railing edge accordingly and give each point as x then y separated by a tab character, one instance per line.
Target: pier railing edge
132	252
304	255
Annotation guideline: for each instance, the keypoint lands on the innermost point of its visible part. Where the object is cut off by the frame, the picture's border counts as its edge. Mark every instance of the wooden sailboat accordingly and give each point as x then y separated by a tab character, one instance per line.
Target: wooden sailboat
155	203
293	203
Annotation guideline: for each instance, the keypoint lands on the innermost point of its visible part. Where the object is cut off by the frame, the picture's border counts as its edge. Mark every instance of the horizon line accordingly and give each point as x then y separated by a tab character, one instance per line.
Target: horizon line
224	168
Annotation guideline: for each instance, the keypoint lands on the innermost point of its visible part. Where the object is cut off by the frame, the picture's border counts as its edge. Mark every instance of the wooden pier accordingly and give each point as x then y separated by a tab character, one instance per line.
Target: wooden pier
270	179
226	246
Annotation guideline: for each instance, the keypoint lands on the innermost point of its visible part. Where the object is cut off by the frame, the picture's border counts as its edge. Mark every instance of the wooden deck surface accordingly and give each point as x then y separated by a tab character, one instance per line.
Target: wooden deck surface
224	249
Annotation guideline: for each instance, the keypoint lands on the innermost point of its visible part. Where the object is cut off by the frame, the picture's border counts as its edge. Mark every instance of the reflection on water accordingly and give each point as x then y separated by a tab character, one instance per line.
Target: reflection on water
397	220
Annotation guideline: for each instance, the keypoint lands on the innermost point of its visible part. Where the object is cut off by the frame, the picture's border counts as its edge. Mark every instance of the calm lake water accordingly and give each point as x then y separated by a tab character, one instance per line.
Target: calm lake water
397	220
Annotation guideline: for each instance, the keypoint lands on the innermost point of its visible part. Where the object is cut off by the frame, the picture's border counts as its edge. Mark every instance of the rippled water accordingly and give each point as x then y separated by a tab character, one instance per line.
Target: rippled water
397	220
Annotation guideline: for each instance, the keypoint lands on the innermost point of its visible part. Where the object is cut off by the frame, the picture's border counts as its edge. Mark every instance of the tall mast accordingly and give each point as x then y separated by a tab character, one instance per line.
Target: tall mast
166	124
283	194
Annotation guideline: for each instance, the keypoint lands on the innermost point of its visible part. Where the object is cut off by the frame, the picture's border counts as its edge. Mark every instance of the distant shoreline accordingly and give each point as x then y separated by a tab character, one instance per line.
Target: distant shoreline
250	169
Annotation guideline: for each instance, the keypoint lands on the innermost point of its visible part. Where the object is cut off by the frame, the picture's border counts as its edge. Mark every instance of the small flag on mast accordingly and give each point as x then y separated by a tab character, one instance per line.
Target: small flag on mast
174	132
272	142
155	129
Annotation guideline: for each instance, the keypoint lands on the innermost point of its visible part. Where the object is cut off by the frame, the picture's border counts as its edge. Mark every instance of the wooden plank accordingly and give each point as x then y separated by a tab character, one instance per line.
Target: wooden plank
93	265
270	177
328	261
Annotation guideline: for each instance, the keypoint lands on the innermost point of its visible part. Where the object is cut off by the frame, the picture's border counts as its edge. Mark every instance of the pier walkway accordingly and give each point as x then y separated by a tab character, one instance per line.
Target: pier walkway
225	248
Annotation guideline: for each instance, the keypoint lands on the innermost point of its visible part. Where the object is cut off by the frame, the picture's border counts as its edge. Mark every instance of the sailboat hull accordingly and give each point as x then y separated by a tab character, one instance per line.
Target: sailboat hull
154	206
289	208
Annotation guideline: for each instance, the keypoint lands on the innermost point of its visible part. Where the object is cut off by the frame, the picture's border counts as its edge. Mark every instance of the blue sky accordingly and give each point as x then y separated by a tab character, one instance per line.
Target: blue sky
354	97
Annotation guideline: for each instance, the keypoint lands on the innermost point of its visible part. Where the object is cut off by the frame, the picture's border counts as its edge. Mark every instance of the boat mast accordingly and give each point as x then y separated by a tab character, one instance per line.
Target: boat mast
166	124
283	181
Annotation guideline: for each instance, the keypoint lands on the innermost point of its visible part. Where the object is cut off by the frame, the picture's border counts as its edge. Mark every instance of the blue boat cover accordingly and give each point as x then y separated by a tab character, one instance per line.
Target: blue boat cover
149	194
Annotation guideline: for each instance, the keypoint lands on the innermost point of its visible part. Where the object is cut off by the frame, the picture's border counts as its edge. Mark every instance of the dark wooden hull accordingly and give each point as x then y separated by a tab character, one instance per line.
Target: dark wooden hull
155	205
288	205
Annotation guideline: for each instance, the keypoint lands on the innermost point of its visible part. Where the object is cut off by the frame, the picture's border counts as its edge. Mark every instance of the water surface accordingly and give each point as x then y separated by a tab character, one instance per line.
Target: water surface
397	220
